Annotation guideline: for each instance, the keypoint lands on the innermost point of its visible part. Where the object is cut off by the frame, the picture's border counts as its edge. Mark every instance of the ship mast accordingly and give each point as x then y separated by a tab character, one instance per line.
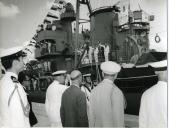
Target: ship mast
78	2
130	18
77	29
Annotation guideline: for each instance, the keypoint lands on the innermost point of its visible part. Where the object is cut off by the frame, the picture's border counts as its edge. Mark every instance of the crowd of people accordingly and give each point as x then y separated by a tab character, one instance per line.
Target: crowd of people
79	105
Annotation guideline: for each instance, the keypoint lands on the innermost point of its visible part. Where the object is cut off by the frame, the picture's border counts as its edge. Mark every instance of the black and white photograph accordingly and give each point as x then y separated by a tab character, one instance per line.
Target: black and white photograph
84	63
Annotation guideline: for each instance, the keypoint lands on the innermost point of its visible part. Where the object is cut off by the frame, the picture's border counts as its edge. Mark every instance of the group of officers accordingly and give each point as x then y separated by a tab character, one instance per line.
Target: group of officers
98	53
71	106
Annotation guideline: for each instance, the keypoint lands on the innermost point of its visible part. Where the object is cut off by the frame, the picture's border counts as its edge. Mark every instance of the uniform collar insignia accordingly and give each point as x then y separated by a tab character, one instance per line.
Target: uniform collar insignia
14	79
9	74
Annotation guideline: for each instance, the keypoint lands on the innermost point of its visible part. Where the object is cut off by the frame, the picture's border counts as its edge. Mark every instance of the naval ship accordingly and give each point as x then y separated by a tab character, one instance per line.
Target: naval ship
126	32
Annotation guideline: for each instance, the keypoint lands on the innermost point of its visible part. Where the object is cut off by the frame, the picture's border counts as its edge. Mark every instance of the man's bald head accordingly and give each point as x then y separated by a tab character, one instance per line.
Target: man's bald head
76	77
75	74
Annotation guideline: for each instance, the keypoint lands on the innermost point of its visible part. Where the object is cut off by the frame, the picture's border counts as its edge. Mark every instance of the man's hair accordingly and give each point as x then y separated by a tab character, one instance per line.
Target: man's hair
112	75
7	63
8	60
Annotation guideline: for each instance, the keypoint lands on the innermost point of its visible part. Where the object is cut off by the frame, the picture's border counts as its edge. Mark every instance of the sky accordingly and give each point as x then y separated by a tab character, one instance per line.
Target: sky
19	19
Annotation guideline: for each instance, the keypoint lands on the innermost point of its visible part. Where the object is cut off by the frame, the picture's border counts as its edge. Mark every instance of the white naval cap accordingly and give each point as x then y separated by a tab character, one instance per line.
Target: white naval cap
59	72
85	75
110	67
159	66
10	51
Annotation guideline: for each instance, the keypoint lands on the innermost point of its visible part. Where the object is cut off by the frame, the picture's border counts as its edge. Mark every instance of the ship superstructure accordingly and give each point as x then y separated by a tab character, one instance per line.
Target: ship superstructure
55	43
125	31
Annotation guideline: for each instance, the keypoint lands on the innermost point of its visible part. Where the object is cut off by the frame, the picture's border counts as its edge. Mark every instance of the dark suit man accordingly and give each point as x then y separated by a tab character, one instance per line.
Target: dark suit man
73	109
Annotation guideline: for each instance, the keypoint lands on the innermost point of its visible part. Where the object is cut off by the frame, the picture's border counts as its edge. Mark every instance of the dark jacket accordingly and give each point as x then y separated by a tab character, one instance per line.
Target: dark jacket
73	109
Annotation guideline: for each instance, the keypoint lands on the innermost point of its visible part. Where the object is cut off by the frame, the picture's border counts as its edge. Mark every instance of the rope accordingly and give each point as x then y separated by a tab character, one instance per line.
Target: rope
135	77
10	97
96	72
25	109
86	94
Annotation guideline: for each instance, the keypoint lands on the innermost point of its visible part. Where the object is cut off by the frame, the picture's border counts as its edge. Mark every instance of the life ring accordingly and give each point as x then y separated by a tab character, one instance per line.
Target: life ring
157	38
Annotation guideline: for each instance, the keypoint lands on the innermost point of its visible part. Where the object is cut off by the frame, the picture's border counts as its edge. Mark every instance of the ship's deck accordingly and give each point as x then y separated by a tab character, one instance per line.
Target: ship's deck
43	121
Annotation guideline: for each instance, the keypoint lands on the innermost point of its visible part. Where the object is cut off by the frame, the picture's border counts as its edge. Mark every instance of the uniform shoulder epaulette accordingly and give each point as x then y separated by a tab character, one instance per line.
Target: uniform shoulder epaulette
14	79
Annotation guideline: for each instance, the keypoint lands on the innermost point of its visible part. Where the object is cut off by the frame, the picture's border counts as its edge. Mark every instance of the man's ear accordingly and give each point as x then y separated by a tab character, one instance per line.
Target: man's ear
115	76
15	62
102	74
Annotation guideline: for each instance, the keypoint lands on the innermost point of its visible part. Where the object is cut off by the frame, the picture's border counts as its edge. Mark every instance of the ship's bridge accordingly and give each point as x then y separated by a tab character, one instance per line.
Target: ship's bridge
96	4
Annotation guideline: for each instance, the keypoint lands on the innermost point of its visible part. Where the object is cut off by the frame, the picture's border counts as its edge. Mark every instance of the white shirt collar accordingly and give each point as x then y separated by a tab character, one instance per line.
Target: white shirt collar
161	82
76	85
57	82
107	80
12	74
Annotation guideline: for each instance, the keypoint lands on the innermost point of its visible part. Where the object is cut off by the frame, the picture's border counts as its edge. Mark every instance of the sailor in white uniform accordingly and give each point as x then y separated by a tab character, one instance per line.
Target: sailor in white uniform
14	106
106	52
107	101
153	109
86	88
96	51
91	49
53	98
